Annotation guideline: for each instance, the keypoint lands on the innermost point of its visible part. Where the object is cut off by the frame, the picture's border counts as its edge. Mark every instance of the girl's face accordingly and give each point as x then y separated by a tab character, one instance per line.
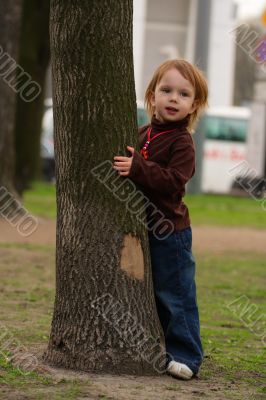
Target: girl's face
174	97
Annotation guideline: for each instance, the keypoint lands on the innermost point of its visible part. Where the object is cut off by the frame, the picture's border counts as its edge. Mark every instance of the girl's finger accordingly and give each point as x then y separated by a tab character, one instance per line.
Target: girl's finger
125	168
121	158
121	163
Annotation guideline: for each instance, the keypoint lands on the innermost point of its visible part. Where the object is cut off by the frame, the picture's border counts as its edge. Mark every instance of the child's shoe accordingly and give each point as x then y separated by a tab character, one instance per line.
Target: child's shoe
179	370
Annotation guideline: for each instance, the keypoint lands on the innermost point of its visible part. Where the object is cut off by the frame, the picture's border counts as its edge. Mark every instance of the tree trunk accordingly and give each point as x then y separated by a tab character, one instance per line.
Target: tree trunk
104	315
10	15
34	59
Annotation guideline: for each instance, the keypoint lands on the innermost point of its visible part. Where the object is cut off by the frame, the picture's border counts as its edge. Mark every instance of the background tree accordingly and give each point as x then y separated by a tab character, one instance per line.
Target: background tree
104	295
244	73
34	58
249	75
10	16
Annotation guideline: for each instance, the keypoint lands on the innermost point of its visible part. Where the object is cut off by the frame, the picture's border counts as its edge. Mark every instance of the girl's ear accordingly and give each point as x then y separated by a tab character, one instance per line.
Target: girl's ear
153	99
194	106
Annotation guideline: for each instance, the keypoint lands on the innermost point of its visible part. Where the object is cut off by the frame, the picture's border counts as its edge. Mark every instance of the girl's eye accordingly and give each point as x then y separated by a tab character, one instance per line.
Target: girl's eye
165	90
184	94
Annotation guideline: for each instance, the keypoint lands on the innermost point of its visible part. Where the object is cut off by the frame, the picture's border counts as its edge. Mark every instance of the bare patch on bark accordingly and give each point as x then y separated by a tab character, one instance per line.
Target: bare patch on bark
132	261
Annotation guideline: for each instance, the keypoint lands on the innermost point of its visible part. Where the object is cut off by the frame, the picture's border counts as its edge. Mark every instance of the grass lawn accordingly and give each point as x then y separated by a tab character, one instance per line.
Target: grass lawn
40	200
231	297
233	351
204	209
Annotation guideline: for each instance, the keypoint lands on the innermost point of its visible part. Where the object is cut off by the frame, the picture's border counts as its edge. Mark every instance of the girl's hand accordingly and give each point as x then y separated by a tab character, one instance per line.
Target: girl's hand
123	164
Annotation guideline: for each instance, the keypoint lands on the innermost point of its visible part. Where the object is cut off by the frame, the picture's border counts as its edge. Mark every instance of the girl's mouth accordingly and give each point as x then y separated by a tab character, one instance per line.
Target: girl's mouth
171	110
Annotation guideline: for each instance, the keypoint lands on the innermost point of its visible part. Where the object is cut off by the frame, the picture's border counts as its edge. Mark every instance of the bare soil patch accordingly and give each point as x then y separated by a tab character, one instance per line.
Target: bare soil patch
205	238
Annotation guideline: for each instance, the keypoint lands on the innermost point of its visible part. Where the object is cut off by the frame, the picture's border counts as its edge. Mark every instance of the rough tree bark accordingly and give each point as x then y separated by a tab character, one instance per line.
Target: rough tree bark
34	59
104	314
10	16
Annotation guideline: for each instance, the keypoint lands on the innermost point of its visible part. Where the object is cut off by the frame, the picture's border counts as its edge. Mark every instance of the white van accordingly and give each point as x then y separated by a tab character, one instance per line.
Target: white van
225	145
225	132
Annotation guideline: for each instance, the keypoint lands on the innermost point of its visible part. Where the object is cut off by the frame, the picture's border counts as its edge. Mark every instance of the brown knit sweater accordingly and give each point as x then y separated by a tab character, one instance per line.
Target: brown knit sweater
162	177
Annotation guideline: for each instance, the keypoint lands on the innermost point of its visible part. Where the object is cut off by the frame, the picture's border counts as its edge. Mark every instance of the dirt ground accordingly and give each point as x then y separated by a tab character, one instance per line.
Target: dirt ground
124	387
165	387
218	239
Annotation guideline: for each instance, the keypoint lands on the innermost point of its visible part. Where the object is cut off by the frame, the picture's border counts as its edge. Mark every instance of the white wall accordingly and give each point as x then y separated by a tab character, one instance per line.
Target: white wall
191	32
164	37
221	53
139	21
152	35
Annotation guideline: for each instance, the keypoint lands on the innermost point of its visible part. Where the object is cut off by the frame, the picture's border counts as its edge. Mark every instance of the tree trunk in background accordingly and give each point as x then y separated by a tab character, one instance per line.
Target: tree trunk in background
34	59
104	315
10	17
245	68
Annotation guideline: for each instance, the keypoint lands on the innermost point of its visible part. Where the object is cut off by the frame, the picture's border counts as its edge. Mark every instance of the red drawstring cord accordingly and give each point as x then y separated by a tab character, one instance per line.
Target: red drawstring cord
144	150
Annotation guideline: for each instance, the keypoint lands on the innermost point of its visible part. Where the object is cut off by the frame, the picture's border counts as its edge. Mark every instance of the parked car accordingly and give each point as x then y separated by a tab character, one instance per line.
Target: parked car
225	145
47	146
142	115
47	138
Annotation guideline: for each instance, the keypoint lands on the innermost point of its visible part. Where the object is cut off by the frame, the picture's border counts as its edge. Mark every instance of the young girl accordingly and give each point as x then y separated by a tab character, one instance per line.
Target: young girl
174	99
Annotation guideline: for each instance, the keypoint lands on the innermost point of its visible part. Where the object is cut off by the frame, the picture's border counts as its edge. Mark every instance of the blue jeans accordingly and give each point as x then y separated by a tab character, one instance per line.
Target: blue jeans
173	272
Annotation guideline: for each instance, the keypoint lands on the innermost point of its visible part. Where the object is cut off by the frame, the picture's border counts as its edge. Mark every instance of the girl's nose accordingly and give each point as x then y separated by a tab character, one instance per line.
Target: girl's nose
174	97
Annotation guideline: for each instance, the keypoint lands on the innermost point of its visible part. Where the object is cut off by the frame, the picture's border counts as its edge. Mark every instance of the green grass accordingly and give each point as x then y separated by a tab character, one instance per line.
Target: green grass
38	386
204	209
226	211
40	200
233	352
229	340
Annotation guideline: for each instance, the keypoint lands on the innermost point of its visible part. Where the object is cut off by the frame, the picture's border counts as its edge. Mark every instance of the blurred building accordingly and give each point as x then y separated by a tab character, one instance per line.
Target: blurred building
197	30
250	65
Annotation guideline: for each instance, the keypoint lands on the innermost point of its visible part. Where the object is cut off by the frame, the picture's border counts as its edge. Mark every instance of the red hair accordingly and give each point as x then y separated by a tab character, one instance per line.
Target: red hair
190	72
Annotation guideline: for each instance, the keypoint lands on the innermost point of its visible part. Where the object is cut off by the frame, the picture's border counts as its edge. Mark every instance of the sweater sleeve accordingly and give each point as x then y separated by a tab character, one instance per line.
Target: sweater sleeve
167	180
